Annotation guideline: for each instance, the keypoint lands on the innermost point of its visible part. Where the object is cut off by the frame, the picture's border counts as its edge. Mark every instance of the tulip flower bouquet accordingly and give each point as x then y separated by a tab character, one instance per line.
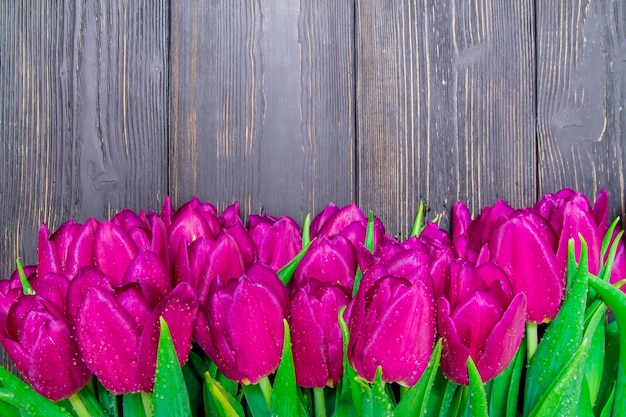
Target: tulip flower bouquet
191	312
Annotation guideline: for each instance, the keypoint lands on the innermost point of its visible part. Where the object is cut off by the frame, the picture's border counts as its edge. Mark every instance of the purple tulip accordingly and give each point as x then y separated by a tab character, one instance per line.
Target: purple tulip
145	231
278	240
117	319
315	334
479	318
68	249
425	258
523	244
392	325
525	248
241	325
331	260
570	214
469	236
37	336
349	221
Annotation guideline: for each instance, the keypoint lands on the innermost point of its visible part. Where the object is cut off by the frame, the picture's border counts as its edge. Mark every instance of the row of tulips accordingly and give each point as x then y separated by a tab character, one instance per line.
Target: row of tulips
339	302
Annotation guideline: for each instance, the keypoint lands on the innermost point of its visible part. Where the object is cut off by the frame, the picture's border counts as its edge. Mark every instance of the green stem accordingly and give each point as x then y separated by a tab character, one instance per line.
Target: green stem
531	339
79	406
266	389
319	402
146	399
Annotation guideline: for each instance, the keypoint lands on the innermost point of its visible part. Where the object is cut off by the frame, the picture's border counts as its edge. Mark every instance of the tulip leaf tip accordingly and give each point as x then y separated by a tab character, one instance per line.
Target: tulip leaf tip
26	287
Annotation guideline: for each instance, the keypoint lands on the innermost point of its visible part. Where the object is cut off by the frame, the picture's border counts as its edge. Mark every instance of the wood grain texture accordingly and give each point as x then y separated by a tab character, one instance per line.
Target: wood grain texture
581	73
83	118
445	106
83	115
262	104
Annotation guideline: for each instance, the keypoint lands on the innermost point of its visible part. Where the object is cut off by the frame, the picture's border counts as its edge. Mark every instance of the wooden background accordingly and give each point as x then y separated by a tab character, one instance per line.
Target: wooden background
286	106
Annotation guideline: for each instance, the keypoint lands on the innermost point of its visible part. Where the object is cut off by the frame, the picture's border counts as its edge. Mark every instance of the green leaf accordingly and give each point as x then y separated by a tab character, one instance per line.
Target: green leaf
506	386
606	241
284	400
349	392
133	405
286	272
454	396
605	271
306	231
170	392
256	401
107	400
563	336
476	404
20	395
86	404
194	384
414	402
437	392
418	224
26	287
369	233
561	398
218	401
375	400
616	299
608	407
595	361
7	410
609	371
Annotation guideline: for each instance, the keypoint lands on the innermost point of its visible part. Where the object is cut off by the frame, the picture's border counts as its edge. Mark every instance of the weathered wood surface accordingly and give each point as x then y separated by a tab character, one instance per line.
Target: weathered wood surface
581	96
83	119
286	106
446	106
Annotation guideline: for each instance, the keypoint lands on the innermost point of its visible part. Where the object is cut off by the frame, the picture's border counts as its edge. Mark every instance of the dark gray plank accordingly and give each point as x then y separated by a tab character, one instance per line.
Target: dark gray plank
445	105
262	104
83	114
581	68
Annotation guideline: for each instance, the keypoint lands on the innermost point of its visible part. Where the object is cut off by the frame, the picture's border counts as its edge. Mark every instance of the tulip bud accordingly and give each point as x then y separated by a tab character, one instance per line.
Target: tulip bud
479	318
331	260
68	249
350	222
278	240
392	325
37	337
117	320
315	334
240	326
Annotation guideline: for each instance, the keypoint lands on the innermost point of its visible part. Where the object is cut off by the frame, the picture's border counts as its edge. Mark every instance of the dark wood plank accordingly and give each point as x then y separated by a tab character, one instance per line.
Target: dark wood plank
262	104
83	115
581	68
445	106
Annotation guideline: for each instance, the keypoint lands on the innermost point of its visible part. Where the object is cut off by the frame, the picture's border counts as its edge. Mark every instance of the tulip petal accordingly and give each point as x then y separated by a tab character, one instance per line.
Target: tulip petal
258	315
108	341
521	248
150	272
504	340
180	308
55	368
307	336
114	251
47	256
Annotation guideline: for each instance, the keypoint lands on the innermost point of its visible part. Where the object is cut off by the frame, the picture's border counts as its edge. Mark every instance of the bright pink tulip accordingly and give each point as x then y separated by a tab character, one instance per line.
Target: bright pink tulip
278	240
480	318
392	325
240	326
316	335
